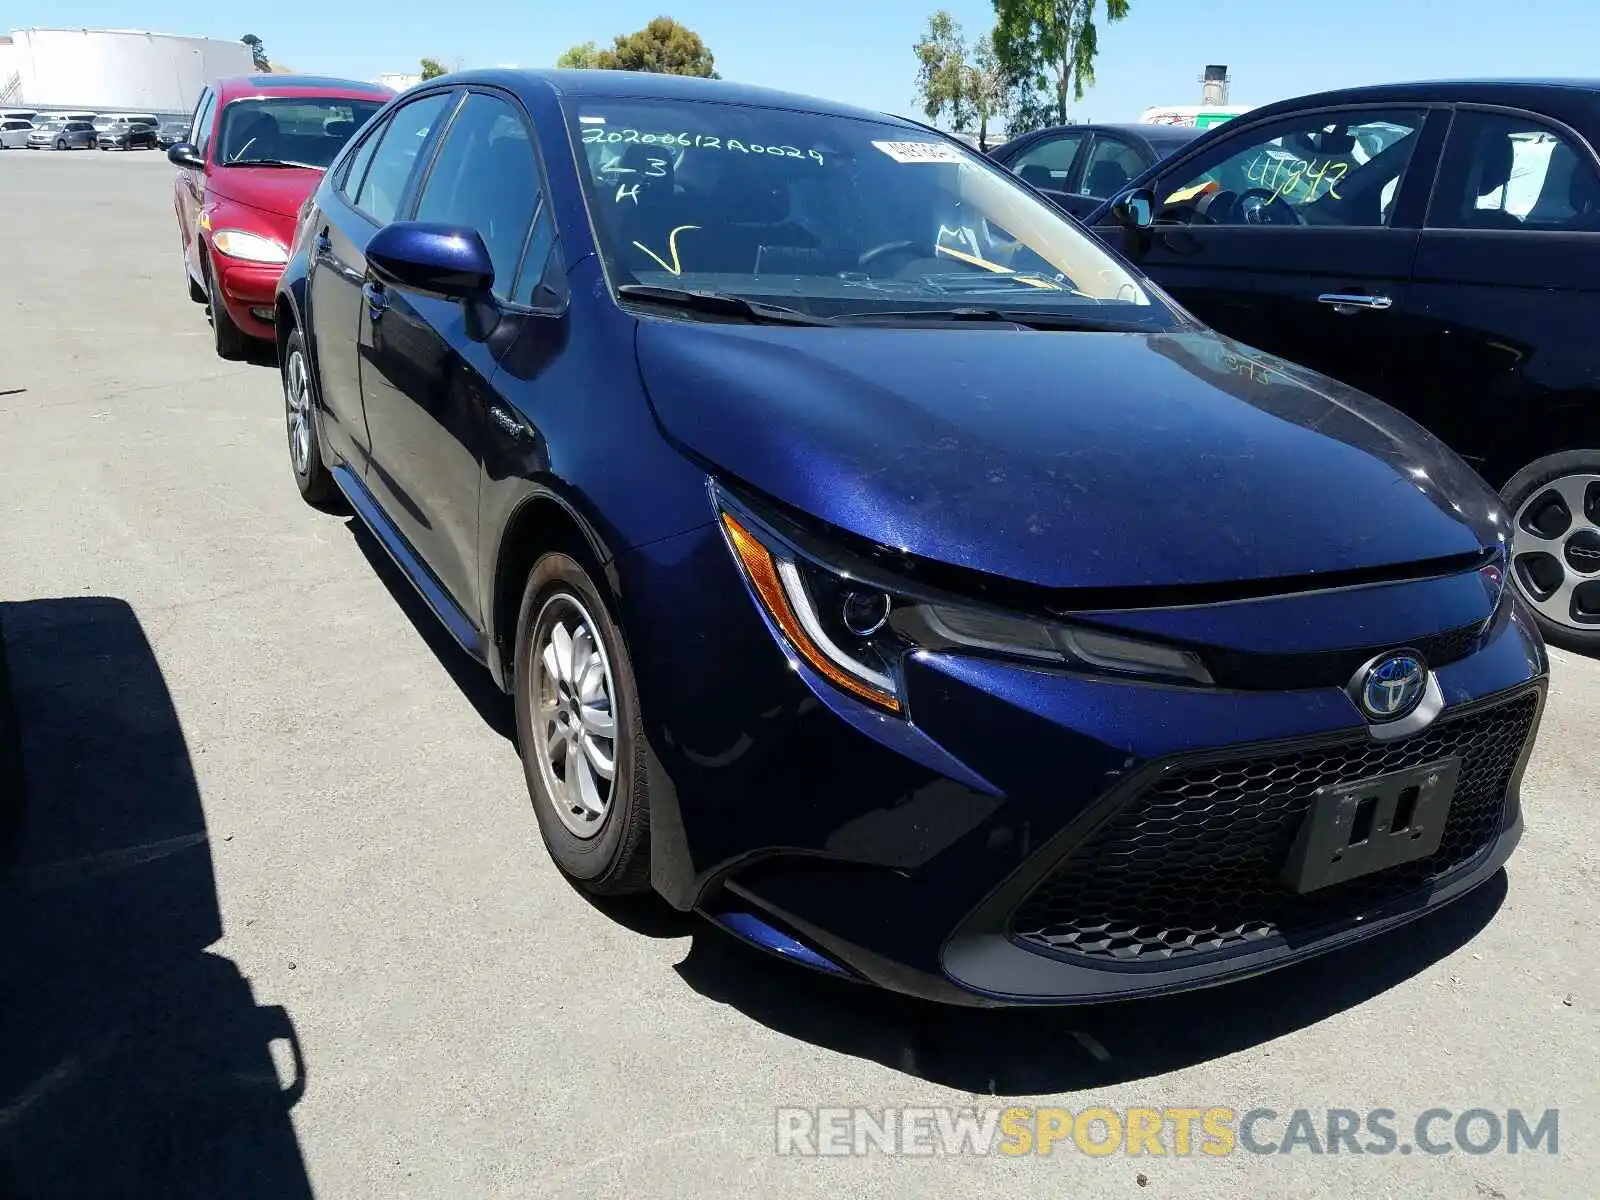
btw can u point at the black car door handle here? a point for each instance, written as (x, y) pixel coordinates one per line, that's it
(377, 299)
(1352, 302)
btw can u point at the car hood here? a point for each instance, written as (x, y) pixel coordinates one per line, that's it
(279, 190)
(1065, 459)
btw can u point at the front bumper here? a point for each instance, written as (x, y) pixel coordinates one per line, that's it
(912, 853)
(247, 287)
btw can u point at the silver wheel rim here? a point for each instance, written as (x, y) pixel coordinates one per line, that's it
(297, 402)
(574, 722)
(1580, 540)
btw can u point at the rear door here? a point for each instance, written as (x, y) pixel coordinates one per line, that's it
(427, 361)
(373, 183)
(1506, 294)
(1297, 235)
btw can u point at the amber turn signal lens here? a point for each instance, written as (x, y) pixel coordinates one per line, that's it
(763, 573)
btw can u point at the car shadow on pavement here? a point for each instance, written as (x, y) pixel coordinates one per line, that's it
(132, 1061)
(1038, 1051)
(469, 675)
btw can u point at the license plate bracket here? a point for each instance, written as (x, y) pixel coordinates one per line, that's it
(1353, 829)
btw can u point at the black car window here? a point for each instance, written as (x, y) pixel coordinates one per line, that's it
(385, 181)
(485, 177)
(1048, 162)
(355, 169)
(1513, 172)
(1111, 164)
(1318, 168)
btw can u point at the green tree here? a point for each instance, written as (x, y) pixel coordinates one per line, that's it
(432, 68)
(987, 87)
(585, 57)
(258, 52)
(942, 71)
(1053, 43)
(662, 47)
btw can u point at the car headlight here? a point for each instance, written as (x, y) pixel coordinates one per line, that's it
(854, 632)
(251, 247)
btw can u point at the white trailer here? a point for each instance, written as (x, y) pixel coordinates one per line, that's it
(116, 69)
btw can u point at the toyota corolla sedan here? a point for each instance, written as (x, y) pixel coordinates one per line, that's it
(880, 566)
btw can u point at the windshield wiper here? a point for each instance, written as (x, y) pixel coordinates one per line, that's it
(1028, 318)
(270, 162)
(720, 302)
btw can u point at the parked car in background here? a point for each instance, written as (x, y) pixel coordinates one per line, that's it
(257, 147)
(62, 135)
(1436, 245)
(128, 133)
(14, 133)
(881, 567)
(1080, 166)
(172, 131)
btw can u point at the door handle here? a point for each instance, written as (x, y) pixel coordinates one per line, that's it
(377, 299)
(324, 242)
(1352, 302)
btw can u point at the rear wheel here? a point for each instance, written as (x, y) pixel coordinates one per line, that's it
(579, 731)
(1555, 545)
(305, 440)
(231, 341)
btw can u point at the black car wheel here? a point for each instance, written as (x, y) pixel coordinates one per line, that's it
(1555, 545)
(231, 341)
(306, 459)
(579, 731)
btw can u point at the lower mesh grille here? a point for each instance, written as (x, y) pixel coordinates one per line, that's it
(1191, 865)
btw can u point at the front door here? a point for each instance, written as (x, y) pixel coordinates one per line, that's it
(1297, 235)
(426, 361)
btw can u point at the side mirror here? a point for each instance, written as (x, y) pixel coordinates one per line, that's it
(185, 154)
(443, 260)
(1134, 209)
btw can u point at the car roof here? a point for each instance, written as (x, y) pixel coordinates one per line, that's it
(651, 86)
(239, 87)
(1437, 91)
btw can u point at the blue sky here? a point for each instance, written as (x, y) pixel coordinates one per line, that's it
(859, 51)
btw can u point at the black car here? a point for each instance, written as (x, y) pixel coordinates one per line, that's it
(1079, 166)
(172, 132)
(129, 133)
(1436, 245)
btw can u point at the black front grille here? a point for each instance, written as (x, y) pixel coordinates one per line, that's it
(1191, 864)
(1245, 669)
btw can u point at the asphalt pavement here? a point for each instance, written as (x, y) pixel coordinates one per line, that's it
(280, 921)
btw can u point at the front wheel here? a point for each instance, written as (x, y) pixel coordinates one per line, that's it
(1555, 545)
(61, 143)
(231, 342)
(579, 731)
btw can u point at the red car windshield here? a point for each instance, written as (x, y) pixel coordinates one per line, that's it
(289, 131)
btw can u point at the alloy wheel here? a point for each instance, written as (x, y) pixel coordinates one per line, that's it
(1555, 551)
(297, 404)
(574, 722)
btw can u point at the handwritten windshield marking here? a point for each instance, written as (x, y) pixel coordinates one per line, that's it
(675, 268)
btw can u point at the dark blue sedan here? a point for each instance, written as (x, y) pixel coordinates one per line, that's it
(883, 568)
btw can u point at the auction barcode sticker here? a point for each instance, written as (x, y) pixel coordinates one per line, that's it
(920, 152)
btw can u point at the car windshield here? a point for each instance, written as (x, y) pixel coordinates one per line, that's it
(304, 131)
(833, 216)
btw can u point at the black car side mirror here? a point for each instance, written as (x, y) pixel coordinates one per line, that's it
(443, 260)
(185, 154)
(1134, 209)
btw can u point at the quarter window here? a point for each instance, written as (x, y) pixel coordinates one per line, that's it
(485, 178)
(1048, 162)
(1318, 169)
(1512, 172)
(385, 181)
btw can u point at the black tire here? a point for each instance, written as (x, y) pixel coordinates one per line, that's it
(615, 859)
(231, 342)
(1527, 484)
(61, 143)
(316, 484)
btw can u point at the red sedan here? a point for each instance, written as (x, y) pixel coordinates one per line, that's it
(257, 148)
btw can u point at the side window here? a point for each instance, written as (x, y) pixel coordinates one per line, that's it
(1111, 164)
(385, 181)
(1514, 172)
(356, 169)
(1341, 169)
(485, 177)
(1048, 162)
(200, 135)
